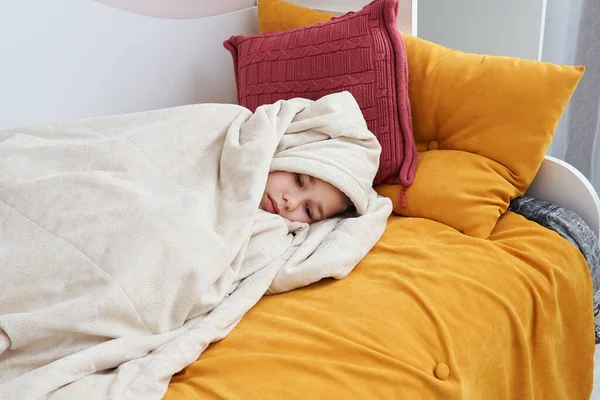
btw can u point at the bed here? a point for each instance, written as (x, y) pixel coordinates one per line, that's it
(435, 310)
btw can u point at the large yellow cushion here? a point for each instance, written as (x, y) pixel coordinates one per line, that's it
(506, 318)
(497, 116)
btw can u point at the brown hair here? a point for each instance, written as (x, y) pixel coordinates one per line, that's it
(350, 208)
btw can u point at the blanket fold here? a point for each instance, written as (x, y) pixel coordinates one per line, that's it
(129, 243)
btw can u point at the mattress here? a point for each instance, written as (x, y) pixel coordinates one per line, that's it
(429, 313)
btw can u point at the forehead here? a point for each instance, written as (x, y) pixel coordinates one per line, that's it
(323, 185)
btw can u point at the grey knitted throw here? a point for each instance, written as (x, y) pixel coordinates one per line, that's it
(571, 227)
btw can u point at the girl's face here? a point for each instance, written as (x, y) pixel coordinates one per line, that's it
(302, 198)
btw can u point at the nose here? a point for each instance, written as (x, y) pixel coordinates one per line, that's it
(291, 201)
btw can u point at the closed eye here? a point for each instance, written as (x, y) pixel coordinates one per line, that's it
(299, 180)
(308, 212)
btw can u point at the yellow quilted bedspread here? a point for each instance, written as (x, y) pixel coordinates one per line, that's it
(429, 313)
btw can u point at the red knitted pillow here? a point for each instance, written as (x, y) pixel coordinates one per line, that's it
(361, 52)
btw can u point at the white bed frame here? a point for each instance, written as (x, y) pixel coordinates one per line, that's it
(69, 59)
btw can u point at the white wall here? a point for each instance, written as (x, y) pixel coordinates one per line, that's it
(67, 59)
(497, 27)
(560, 44)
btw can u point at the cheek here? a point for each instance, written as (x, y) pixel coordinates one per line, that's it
(278, 182)
(271, 182)
(296, 215)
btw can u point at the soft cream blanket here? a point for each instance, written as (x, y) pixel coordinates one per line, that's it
(129, 243)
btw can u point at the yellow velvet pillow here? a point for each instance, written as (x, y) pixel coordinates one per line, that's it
(279, 15)
(489, 120)
(482, 125)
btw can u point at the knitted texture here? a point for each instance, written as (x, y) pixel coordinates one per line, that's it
(360, 52)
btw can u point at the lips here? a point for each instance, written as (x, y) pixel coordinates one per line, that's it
(272, 206)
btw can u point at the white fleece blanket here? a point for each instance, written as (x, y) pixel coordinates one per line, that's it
(129, 243)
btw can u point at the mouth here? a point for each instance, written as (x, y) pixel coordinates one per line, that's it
(272, 206)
